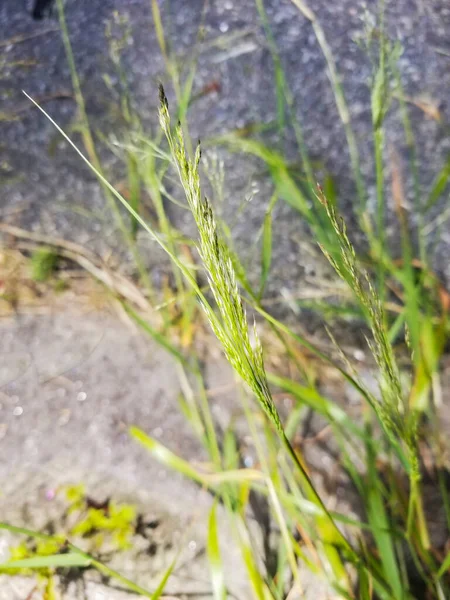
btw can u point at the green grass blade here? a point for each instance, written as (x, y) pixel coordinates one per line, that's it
(172, 461)
(28, 532)
(164, 455)
(248, 555)
(312, 398)
(214, 558)
(379, 521)
(175, 259)
(72, 559)
(439, 185)
(164, 579)
(339, 96)
(444, 567)
(159, 29)
(160, 338)
(134, 188)
(90, 148)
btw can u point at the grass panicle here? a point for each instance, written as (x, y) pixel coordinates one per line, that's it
(393, 411)
(232, 330)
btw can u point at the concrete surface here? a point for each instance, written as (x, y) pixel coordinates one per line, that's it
(70, 384)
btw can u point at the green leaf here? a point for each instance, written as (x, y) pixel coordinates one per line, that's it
(311, 397)
(159, 28)
(439, 185)
(159, 338)
(214, 558)
(378, 98)
(54, 560)
(162, 584)
(164, 455)
(444, 567)
(379, 521)
(329, 189)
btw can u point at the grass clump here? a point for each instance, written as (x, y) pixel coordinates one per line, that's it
(386, 552)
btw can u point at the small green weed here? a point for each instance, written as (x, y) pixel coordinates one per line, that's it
(100, 527)
(44, 262)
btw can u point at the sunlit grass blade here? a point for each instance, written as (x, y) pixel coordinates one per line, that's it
(71, 559)
(135, 190)
(165, 456)
(259, 586)
(444, 567)
(379, 521)
(214, 558)
(312, 398)
(176, 463)
(164, 579)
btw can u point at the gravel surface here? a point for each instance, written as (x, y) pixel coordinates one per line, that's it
(43, 175)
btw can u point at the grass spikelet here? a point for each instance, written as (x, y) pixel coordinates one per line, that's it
(232, 327)
(393, 412)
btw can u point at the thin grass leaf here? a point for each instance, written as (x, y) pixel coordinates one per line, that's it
(157, 21)
(379, 521)
(339, 96)
(90, 148)
(285, 186)
(444, 567)
(174, 258)
(29, 532)
(159, 338)
(438, 187)
(312, 398)
(165, 456)
(135, 190)
(214, 558)
(102, 568)
(164, 579)
(174, 462)
(248, 555)
(70, 559)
